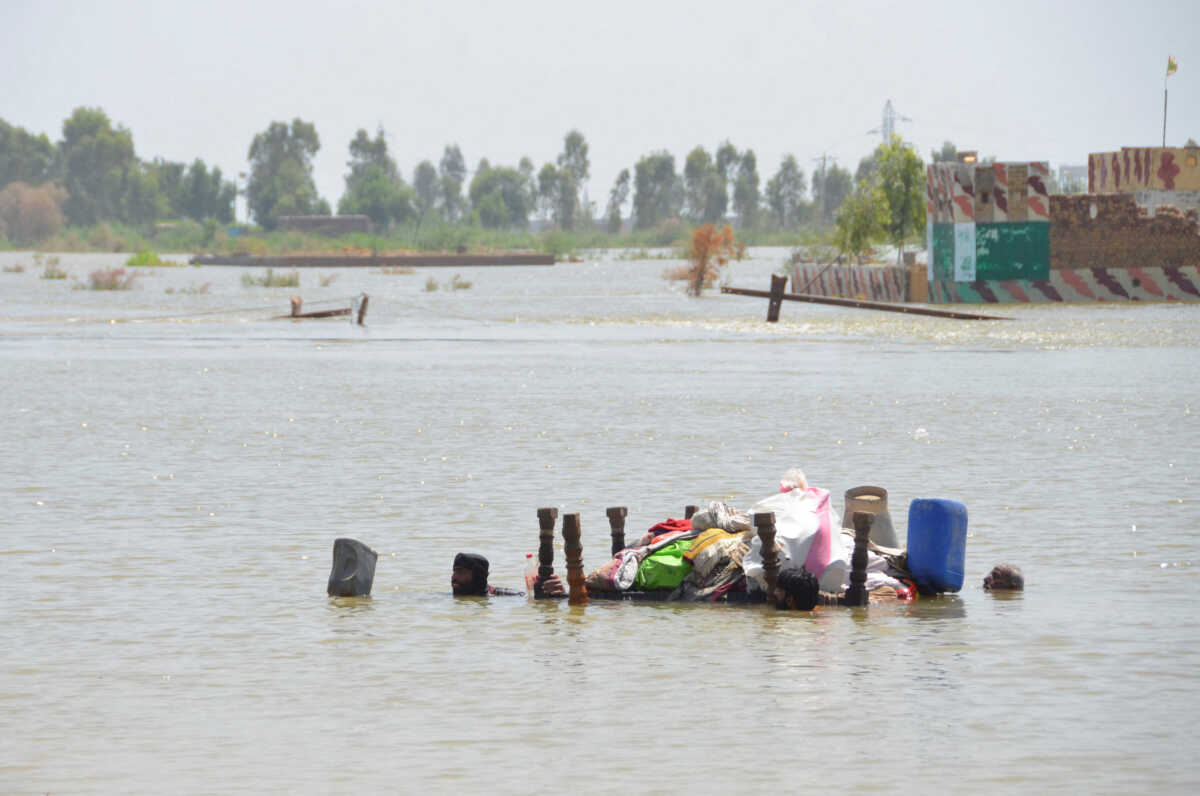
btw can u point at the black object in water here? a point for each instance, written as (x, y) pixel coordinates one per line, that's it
(353, 569)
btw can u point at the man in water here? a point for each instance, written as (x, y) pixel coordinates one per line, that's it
(1004, 577)
(469, 577)
(795, 589)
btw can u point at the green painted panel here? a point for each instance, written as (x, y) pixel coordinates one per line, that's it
(1012, 250)
(943, 251)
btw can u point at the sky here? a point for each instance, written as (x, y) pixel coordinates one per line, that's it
(1016, 80)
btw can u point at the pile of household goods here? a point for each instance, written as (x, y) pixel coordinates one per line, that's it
(716, 555)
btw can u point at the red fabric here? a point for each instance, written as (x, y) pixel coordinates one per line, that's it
(669, 526)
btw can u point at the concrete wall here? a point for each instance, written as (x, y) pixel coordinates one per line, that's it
(1113, 231)
(1141, 168)
(988, 221)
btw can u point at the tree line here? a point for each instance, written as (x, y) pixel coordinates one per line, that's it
(93, 174)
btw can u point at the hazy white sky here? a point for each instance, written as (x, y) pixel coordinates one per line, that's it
(1018, 80)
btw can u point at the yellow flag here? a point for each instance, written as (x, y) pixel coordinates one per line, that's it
(1172, 67)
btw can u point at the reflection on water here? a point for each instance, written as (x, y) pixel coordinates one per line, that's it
(173, 482)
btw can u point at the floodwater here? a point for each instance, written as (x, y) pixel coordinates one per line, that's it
(176, 466)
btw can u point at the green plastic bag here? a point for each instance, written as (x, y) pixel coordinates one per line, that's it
(665, 568)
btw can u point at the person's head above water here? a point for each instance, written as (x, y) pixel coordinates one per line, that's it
(1004, 577)
(470, 574)
(796, 589)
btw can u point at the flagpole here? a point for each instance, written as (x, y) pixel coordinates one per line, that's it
(1165, 110)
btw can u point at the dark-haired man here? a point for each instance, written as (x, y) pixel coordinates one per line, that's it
(469, 578)
(1004, 577)
(795, 589)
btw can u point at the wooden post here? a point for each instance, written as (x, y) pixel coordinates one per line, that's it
(778, 283)
(362, 309)
(857, 593)
(296, 303)
(546, 519)
(689, 512)
(577, 594)
(616, 522)
(764, 521)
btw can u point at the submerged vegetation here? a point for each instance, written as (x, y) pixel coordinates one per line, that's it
(272, 279)
(110, 279)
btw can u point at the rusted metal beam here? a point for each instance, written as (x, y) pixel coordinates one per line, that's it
(865, 305)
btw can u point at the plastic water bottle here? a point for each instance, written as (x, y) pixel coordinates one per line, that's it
(531, 570)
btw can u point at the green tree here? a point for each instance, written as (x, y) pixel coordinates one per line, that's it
(573, 160)
(861, 220)
(425, 188)
(830, 189)
(727, 161)
(280, 181)
(704, 188)
(25, 157)
(868, 166)
(206, 194)
(453, 172)
(657, 190)
(500, 196)
(902, 177)
(947, 154)
(99, 165)
(374, 187)
(746, 199)
(785, 195)
(616, 200)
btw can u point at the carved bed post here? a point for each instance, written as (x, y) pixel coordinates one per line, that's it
(764, 521)
(574, 551)
(616, 522)
(546, 518)
(857, 593)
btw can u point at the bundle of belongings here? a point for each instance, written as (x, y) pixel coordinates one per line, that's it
(717, 554)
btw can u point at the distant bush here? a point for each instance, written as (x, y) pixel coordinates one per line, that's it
(272, 279)
(14, 269)
(147, 258)
(327, 280)
(431, 284)
(50, 269)
(110, 279)
(458, 283)
(29, 214)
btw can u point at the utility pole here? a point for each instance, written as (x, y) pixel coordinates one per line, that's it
(888, 125)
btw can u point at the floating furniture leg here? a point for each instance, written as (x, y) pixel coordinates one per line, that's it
(574, 550)
(546, 519)
(353, 569)
(616, 522)
(778, 284)
(764, 521)
(362, 309)
(689, 512)
(857, 593)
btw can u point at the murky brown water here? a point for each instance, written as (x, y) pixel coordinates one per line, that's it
(175, 469)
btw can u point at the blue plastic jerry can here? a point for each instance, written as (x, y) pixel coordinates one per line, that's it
(937, 543)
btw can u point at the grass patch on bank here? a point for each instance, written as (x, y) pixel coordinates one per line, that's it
(430, 236)
(148, 258)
